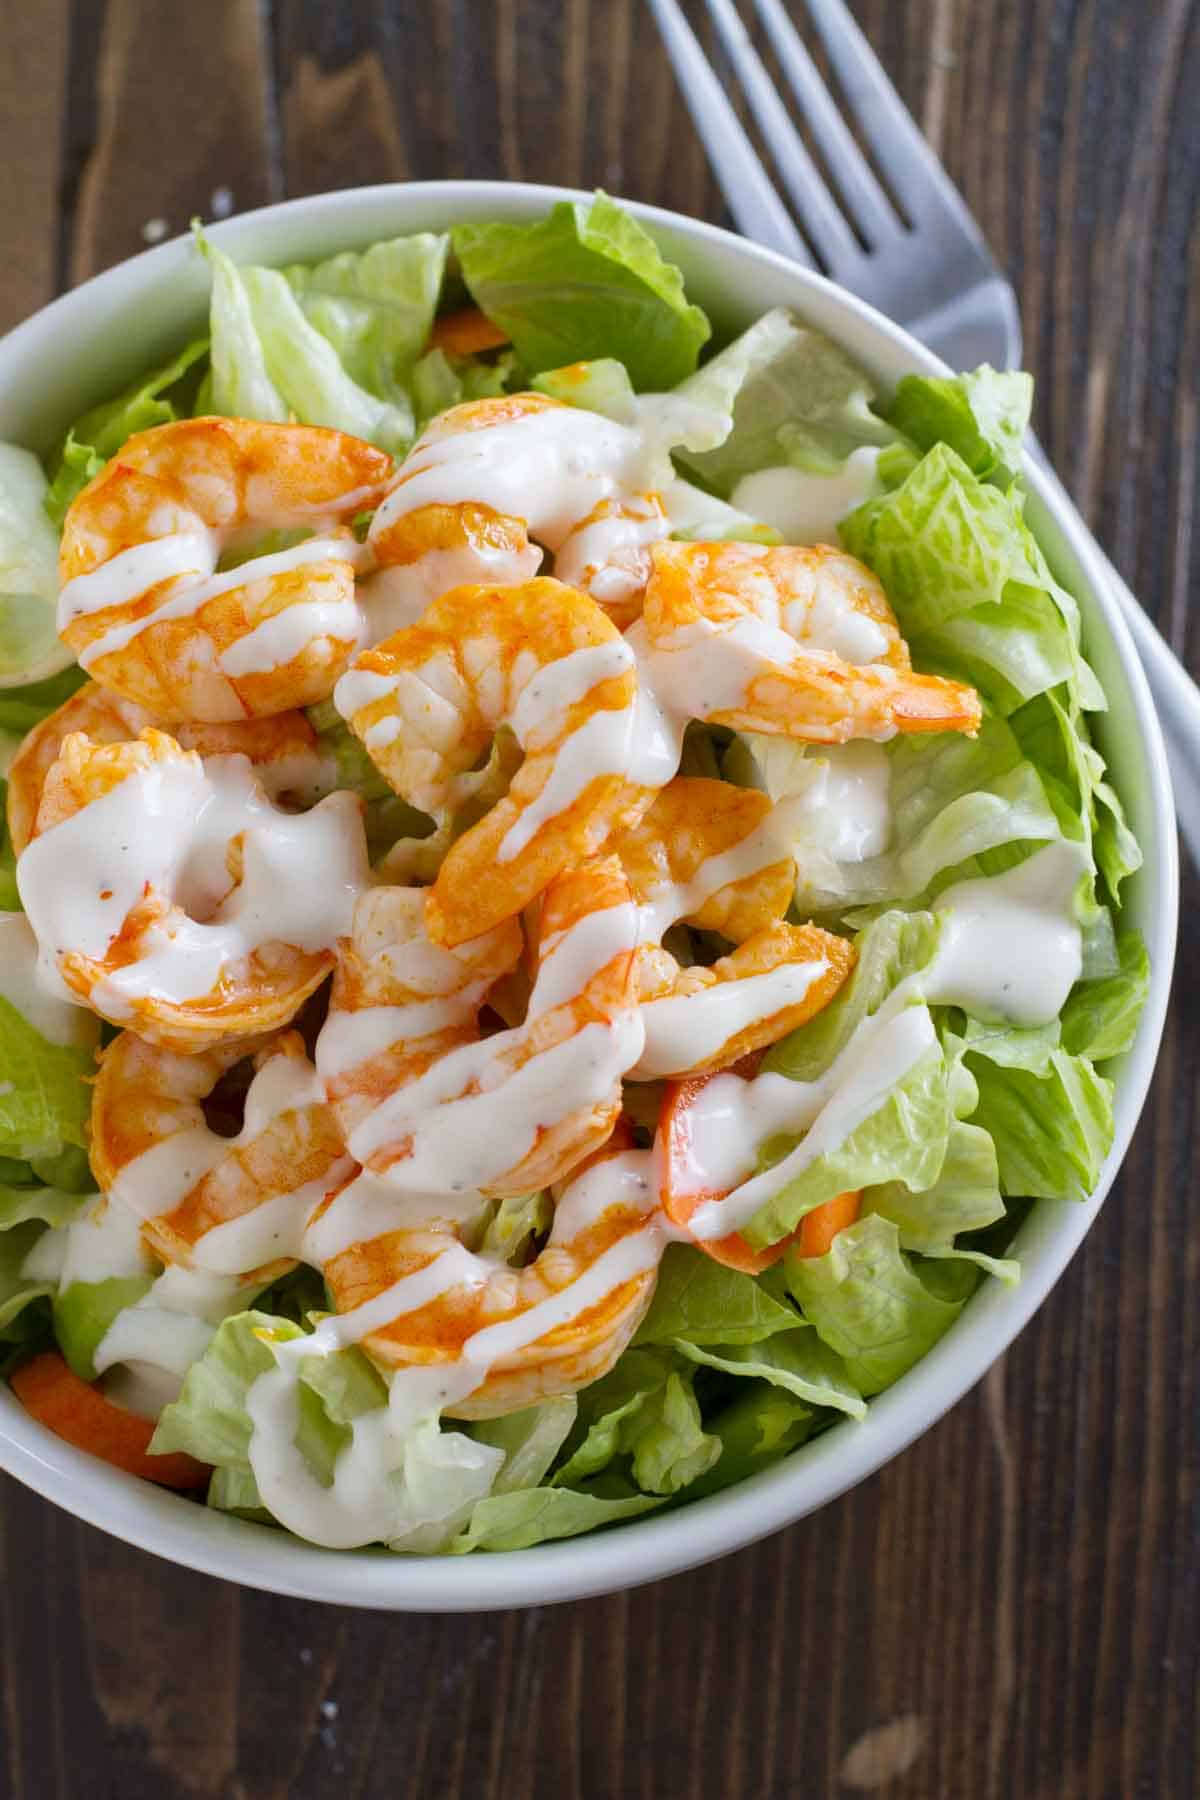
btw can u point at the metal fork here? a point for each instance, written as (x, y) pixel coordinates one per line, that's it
(919, 257)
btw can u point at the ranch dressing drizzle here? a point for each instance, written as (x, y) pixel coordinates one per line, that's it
(683, 1030)
(130, 573)
(167, 828)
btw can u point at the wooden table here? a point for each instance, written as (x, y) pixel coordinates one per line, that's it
(1009, 1609)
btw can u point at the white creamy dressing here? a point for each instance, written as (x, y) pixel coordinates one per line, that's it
(40, 1003)
(804, 507)
(168, 828)
(1011, 948)
(188, 560)
(103, 1243)
(683, 1030)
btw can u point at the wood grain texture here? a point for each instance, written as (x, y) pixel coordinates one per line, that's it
(1011, 1607)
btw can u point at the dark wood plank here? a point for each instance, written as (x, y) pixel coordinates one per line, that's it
(178, 114)
(32, 76)
(1009, 1608)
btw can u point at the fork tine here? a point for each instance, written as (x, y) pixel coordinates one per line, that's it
(883, 118)
(852, 173)
(823, 223)
(753, 200)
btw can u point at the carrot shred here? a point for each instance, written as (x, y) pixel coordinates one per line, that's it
(79, 1413)
(465, 332)
(819, 1227)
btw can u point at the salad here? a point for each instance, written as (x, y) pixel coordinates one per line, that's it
(560, 904)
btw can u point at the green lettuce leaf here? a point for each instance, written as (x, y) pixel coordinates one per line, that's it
(761, 1424)
(376, 308)
(643, 1413)
(965, 1197)
(24, 1300)
(439, 380)
(209, 1420)
(84, 1311)
(970, 585)
(517, 1521)
(798, 1360)
(1100, 1018)
(795, 398)
(892, 947)
(269, 361)
(983, 415)
(44, 1099)
(1051, 1130)
(586, 281)
(703, 1302)
(530, 1440)
(166, 394)
(29, 644)
(876, 1307)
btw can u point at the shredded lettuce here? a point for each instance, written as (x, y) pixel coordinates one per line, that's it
(586, 281)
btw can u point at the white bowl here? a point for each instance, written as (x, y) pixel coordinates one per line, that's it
(81, 350)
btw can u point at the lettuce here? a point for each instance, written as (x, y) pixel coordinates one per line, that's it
(44, 1096)
(970, 585)
(24, 1299)
(796, 400)
(586, 281)
(530, 1440)
(1051, 1128)
(289, 344)
(903, 1138)
(84, 1311)
(982, 415)
(703, 1302)
(517, 1521)
(1100, 1017)
(877, 1308)
(164, 395)
(376, 308)
(29, 642)
(761, 1424)
(644, 1416)
(797, 1360)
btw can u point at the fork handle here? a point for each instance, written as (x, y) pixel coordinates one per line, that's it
(1176, 696)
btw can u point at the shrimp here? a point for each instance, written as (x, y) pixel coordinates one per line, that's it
(706, 1018)
(146, 612)
(798, 641)
(429, 1104)
(543, 660)
(707, 852)
(488, 476)
(284, 750)
(608, 554)
(232, 1206)
(171, 895)
(515, 1336)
